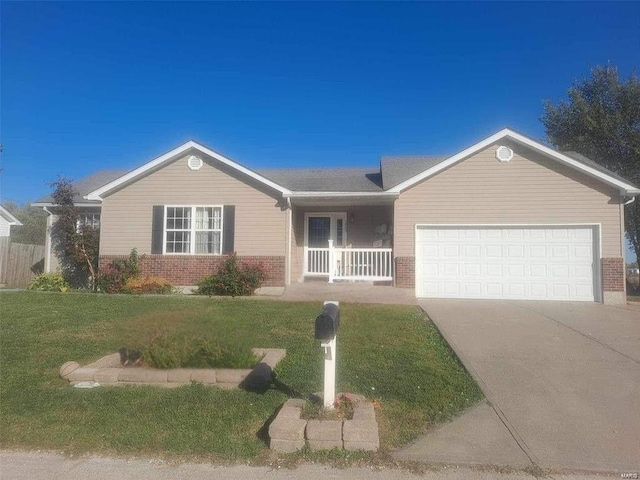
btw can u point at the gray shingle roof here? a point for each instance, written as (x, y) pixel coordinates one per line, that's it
(397, 169)
(89, 184)
(597, 166)
(361, 179)
(393, 171)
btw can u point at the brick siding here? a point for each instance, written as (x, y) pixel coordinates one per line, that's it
(190, 269)
(405, 272)
(613, 274)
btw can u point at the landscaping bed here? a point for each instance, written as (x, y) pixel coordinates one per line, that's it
(392, 355)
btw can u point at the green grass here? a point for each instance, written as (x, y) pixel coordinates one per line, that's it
(391, 354)
(633, 298)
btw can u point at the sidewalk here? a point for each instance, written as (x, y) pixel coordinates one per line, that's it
(48, 466)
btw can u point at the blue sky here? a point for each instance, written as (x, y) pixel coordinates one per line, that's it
(88, 86)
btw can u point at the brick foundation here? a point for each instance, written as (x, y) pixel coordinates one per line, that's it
(186, 270)
(405, 272)
(613, 274)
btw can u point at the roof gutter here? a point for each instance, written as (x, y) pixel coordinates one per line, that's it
(339, 194)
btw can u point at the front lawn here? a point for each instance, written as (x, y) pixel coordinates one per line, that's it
(392, 354)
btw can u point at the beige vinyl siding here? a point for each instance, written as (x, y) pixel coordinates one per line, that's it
(530, 189)
(260, 223)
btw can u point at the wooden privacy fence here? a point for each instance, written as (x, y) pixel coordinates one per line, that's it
(19, 263)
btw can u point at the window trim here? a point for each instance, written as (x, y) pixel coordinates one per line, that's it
(192, 230)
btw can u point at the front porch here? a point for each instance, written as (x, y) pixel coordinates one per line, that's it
(343, 243)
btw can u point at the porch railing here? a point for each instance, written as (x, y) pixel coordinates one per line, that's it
(350, 263)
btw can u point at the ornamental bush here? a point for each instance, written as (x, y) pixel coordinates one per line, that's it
(233, 279)
(115, 276)
(49, 282)
(153, 285)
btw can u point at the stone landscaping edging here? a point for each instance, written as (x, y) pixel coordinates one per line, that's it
(288, 432)
(108, 371)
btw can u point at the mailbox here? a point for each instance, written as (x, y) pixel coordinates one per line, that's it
(327, 322)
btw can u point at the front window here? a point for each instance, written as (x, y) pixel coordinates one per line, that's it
(196, 230)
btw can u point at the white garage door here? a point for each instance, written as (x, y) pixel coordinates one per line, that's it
(537, 263)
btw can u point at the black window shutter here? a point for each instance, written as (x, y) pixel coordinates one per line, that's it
(228, 228)
(157, 228)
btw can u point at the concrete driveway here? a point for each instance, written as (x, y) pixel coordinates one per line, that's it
(562, 381)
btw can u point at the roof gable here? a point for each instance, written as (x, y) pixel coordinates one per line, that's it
(586, 167)
(168, 157)
(8, 216)
(84, 186)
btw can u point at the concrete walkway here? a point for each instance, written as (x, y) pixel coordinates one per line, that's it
(563, 380)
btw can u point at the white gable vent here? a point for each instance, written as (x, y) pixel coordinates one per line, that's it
(195, 163)
(504, 154)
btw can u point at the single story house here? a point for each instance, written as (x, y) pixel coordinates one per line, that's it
(6, 221)
(506, 218)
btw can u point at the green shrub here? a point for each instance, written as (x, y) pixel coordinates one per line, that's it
(49, 282)
(193, 352)
(233, 278)
(114, 277)
(153, 285)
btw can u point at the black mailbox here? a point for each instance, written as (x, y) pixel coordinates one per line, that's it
(328, 322)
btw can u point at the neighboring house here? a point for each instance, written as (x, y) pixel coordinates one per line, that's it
(506, 218)
(6, 221)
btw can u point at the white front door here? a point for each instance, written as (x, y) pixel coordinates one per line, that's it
(319, 228)
(535, 263)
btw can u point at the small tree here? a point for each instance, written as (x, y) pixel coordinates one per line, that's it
(34, 224)
(601, 120)
(75, 244)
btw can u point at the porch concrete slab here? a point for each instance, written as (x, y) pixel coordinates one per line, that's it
(315, 291)
(563, 377)
(477, 437)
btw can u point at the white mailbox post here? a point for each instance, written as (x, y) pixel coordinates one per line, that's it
(326, 327)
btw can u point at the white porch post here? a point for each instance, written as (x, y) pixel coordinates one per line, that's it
(332, 261)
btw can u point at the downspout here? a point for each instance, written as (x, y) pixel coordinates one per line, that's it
(47, 242)
(624, 247)
(290, 231)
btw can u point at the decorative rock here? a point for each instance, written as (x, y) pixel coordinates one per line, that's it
(285, 446)
(324, 434)
(109, 371)
(364, 411)
(273, 355)
(68, 368)
(360, 435)
(287, 425)
(228, 375)
(82, 374)
(108, 361)
(107, 375)
(142, 375)
(179, 375)
(206, 376)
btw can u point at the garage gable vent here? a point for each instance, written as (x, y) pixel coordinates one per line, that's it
(504, 154)
(195, 163)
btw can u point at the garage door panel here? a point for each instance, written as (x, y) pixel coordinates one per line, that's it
(554, 263)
